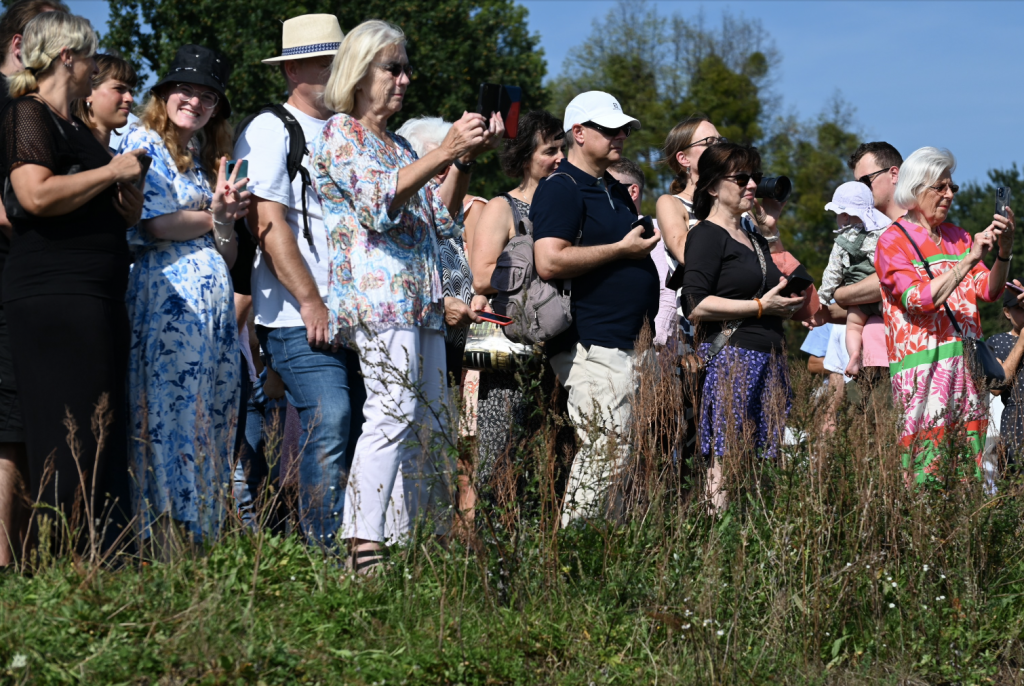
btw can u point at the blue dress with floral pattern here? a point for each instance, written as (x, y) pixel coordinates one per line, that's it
(183, 369)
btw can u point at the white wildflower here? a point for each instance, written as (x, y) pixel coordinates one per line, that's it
(892, 605)
(894, 584)
(19, 661)
(720, 632)
(926, 568)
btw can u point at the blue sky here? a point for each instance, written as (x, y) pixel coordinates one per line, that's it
(937, 73)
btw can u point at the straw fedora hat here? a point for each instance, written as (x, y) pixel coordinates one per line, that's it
(310, 35)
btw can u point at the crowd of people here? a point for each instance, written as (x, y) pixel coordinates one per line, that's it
(165, 312)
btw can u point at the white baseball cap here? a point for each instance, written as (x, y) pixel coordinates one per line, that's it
(598, 107)
(854, 198)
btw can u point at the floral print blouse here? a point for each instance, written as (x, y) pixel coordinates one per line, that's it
(383, 272)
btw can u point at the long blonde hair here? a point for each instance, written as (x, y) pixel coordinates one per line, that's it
(353, 60)
(44, 38)
(215, 138)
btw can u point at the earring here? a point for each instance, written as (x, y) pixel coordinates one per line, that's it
(88, 104)
(68, 65)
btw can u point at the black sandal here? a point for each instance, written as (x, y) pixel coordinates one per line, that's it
(366, 562)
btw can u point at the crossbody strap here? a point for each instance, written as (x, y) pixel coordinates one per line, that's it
(723, 336)
(949, 312)
(517, 217)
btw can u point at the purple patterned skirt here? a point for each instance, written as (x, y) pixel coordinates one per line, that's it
(744, 402)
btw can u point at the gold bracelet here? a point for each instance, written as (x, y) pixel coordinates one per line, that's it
(760, 309)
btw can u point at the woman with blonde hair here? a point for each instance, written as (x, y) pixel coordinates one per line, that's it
(108, 106)
(385, 298)
(69, 204)
(184, 366)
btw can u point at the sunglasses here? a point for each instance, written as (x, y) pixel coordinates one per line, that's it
(605, 131)
(395, 68)
(941, 190)
(743, 178)
(710, 140)
(868, 179)
(207, 99)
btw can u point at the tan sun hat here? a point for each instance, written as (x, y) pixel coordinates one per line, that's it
(310, 35)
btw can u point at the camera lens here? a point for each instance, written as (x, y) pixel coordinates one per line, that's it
(774, 187)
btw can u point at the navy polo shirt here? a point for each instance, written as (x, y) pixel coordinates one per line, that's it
(610, 303)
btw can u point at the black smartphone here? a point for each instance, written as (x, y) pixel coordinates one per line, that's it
(648, 225)
(798, 282)
(1002, 200)
(243, 169)
(504, 100)
(144, 162)
(494, 318)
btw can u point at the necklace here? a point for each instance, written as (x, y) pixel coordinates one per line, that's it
(55, 111)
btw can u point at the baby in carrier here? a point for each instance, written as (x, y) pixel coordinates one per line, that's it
(853, 259)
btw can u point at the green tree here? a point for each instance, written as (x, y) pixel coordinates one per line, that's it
(455, 45)
(664, 70)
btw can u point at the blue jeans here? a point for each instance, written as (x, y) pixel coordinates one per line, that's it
(253, 467)
(327, 390)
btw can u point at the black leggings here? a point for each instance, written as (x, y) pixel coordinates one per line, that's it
(68, 351)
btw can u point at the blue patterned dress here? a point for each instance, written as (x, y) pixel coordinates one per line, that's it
(183, 369)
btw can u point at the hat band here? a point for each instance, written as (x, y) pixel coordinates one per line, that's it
(306, 49)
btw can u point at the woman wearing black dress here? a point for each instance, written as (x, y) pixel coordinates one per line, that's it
(69, 204)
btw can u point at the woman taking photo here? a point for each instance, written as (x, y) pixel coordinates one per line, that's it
(530, 157)
(731, 293)
(108, 106)
(384, 218)
(64, 284)
(184, 367)
(930, 382)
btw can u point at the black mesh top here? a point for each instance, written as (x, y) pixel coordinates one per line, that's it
(84, 252)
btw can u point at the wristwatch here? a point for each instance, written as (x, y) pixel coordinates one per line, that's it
(464, 167)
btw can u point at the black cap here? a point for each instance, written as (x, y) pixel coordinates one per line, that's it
(201, 66)
(1010, 298)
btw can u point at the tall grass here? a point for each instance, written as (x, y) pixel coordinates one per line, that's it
(823, 568)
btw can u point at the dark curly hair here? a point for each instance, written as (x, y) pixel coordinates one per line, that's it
(718, 161)
(515, 158)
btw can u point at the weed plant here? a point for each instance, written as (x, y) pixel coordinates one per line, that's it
(825, 567)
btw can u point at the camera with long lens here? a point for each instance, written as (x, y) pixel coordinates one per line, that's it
(774, 187)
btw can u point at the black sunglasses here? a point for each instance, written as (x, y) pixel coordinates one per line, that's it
(710, 140)
(868, 179)
(605, 131)
(395, 68)
(743, 178)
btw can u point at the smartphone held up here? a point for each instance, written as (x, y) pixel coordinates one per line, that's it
(505, 101)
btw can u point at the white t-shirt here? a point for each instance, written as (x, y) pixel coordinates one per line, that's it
(265, 144)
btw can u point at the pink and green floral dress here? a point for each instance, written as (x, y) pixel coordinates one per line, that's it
(384, 272)
(929, 380)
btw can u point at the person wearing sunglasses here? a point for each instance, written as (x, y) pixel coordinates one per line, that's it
(184, 368)
(931, 385)
(731, 292)
(582, 218)
(385, 218)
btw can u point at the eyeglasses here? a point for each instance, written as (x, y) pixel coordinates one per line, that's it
(207, 99)
(395, 68)
(605, 131)
(941, 190)
(743, 178)
(710, 140)
(868, 179)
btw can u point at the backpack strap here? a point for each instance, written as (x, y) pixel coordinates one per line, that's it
(583, 216)
(296, 152)
(517, 216)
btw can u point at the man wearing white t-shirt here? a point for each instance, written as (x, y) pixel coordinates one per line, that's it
(289, 278)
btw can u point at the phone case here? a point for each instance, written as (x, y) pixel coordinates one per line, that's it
(1003, 195)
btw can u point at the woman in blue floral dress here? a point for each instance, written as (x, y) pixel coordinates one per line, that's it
(183, 370)
(385, 298)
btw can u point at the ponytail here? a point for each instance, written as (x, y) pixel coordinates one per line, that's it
(44, 38)
(679, 182)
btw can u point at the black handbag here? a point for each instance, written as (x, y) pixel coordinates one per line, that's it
(985, 370)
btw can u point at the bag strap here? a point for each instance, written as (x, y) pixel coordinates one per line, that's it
(517, 217)
(949, 312)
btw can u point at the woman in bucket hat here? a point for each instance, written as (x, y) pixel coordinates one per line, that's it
(184, 369)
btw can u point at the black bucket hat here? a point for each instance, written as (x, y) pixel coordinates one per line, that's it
(1010, 298)
(201, 66)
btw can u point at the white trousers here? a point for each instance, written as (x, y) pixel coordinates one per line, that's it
(601, 383)
(401, 469)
